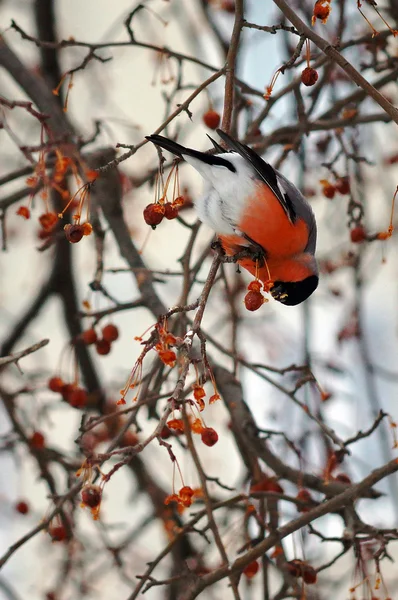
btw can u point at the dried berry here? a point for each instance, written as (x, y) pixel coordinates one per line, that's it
(55, 384)
(87, 228)
(110, 333)
(102, 347)
(343, 478)
(253, 300)
(251, 569)
(37, 440)
(23, 211)
(170, 211)
(305, 496)
(91, 495)
(209, 436)
(153, 214)
(48, 220)
(89, 336)
(358, 234)
(168, 357)
(22, 507)
(309, 76)
(211, 119)
(74, 233)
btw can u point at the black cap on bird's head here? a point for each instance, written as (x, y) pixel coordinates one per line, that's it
(291, 293)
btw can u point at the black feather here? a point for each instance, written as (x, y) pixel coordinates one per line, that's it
(216, 145)
(180, 151)
(263, 169)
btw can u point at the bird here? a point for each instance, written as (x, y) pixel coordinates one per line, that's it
(259, 216)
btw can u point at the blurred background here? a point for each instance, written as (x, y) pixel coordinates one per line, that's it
(346, 333)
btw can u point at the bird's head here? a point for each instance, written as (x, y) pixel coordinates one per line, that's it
(291, 293)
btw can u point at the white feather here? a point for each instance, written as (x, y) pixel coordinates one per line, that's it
(225, 193)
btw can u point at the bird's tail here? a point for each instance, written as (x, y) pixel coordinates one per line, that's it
(181, 151)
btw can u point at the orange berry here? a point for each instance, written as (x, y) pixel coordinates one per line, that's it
(110, 333)
(102, 347)
(309, 76)
(89, 336)
(74, 233)
(211, 119)
(251, 569)
(168, 357)
(198, 392)
(253, 300)
(153, 214)
(37, 440)
(254, 286)
(22, 507)
(358, 234)
(55, 384)
(91, 495)
(209, 436)
(23, 211)
(87, 228)
(321, 11)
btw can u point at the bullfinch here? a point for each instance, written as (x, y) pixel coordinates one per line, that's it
(259, 216)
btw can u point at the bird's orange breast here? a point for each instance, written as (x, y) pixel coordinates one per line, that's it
(265, 222)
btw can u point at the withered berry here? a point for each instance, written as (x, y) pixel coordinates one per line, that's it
(23, 211)
(212, 119)
(74, 233)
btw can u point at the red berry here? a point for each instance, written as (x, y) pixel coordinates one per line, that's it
(89, 337)
(212, 119)
(22, 507)
(253, 300)
(58, 533)
(170, 211)
(110, 333)
(358, 234)
(37, 440)
(251, 569)
(102, 347)
(209, 436)
(328, 190)
(228, 6)
(254, 286)
(343, 477)
(306, 497)
(51, 596)
(91, 495)
(309, 574)
(23, 211)
(342, 185)
(153, 214)
(309, 76)
(77, 398)
(67, 390)
(74, 233)
(55, 384)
